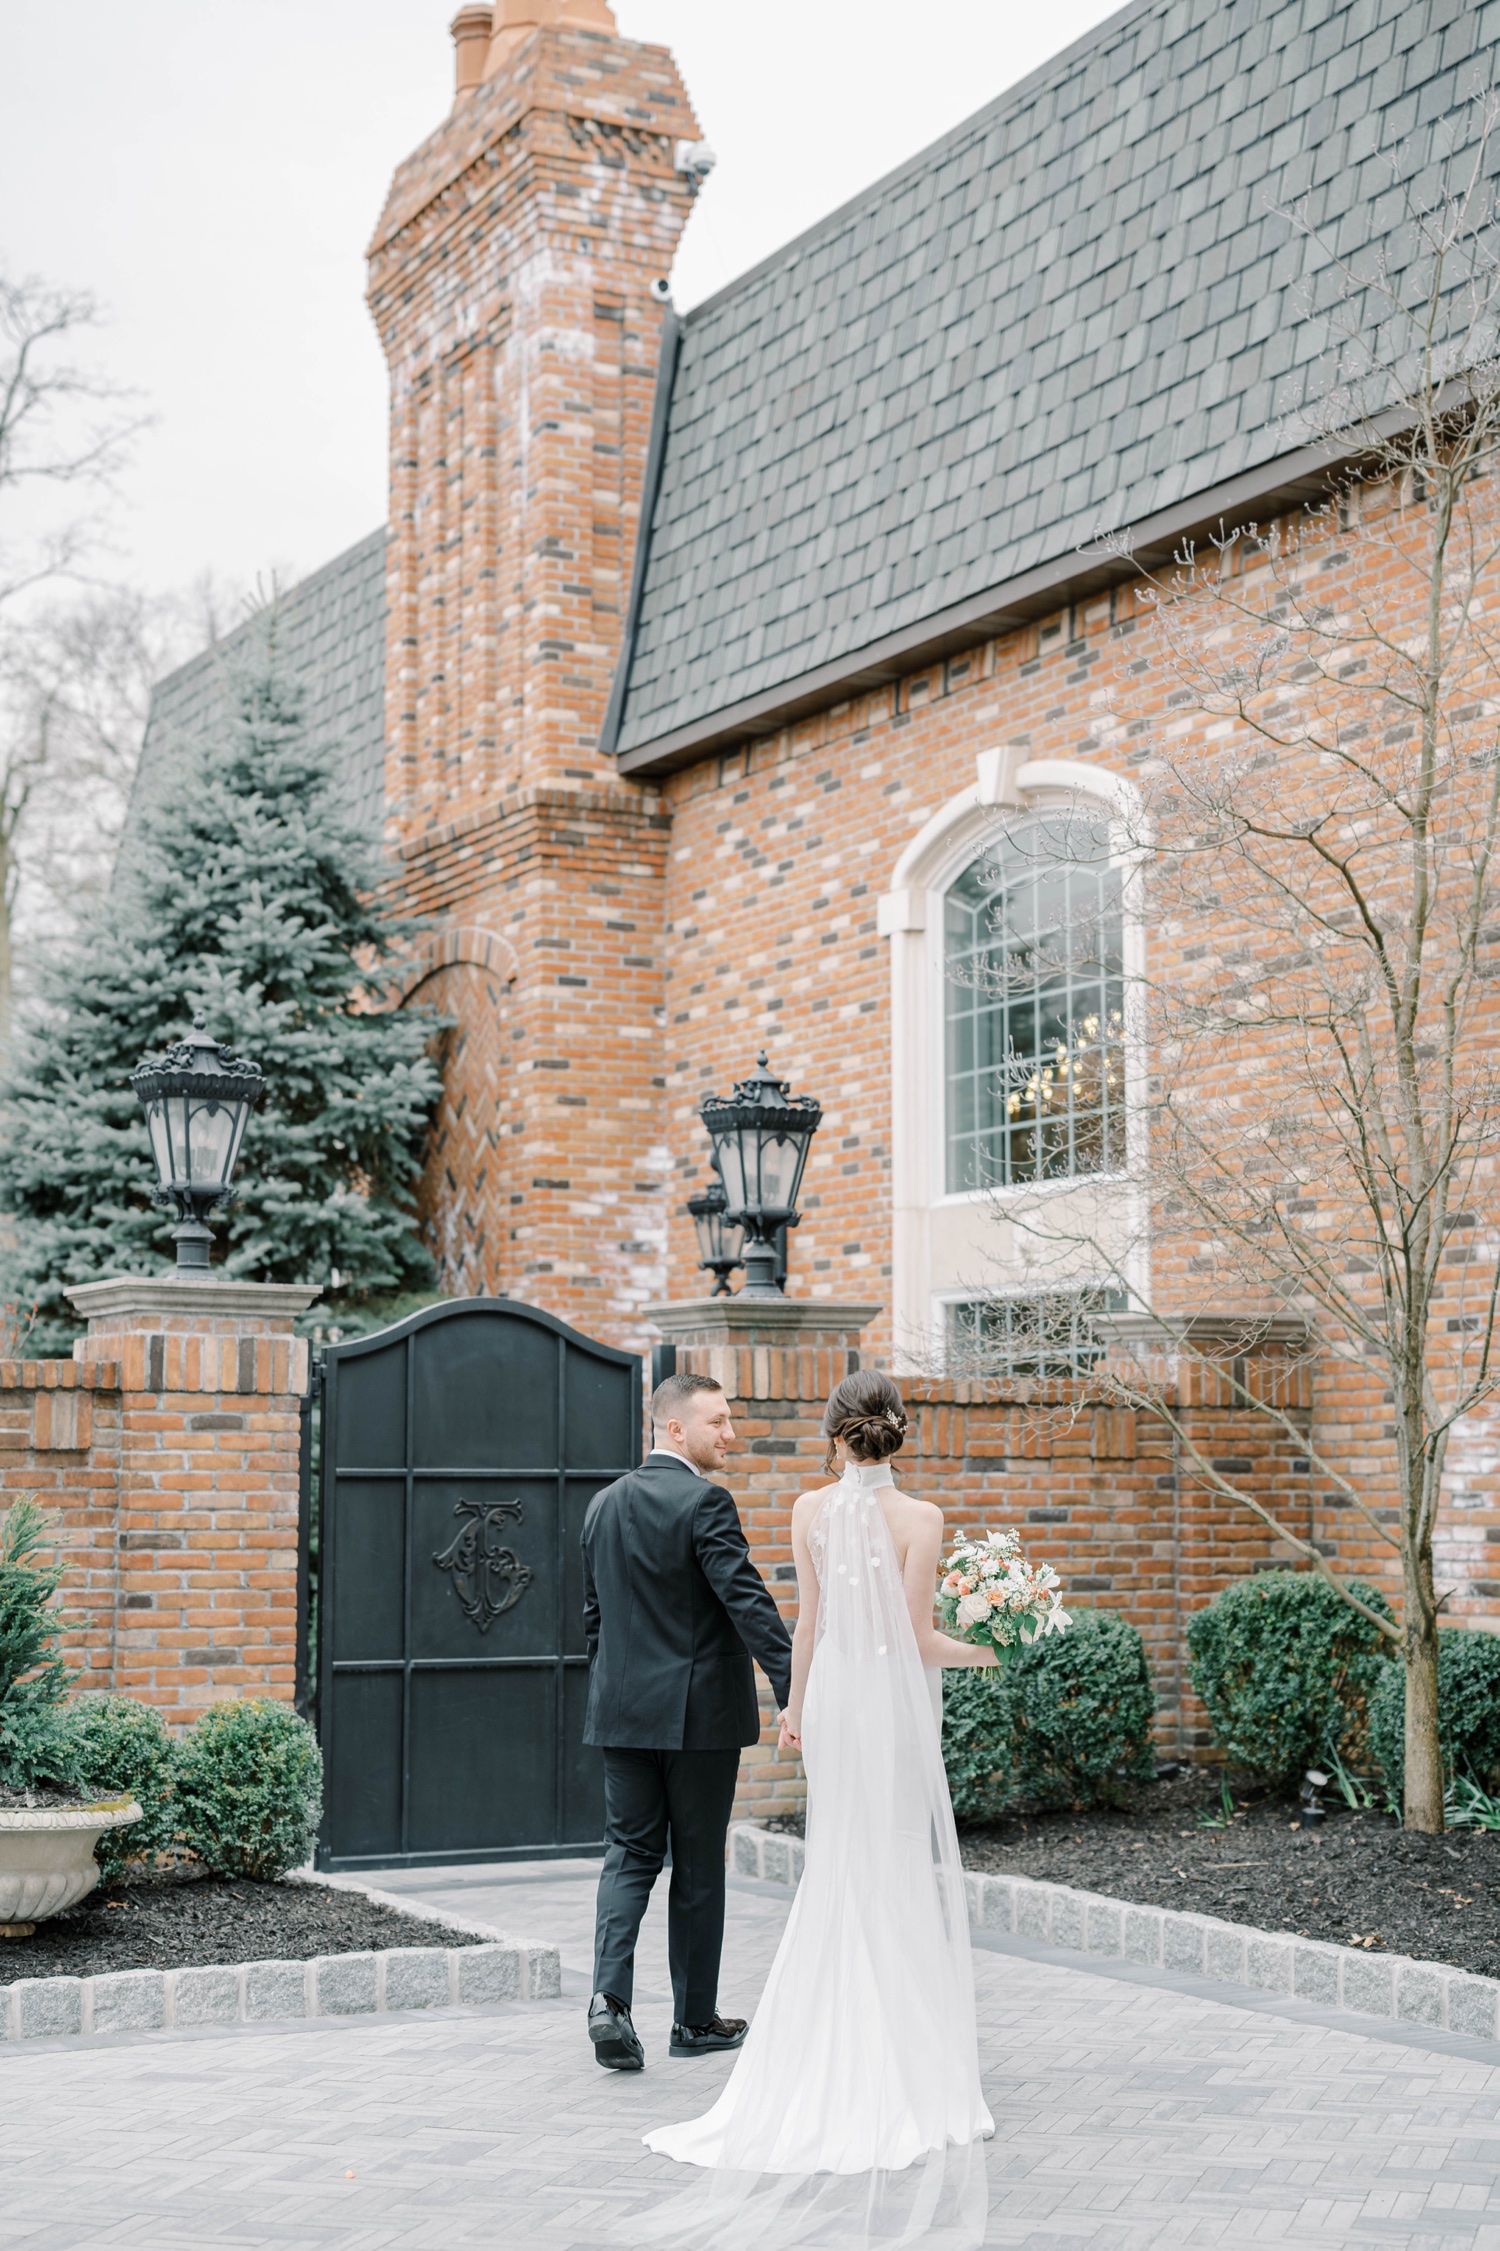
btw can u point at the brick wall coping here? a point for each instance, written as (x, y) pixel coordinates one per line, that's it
(331, 1985)
(213, 1297)
(1085, 1922)
(59, 1375)
(760, 1320)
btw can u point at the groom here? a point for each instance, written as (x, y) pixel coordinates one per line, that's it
(673, 1610)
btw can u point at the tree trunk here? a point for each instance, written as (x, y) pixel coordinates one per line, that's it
(1424, 1758)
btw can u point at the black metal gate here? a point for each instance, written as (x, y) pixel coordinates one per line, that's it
(459, 1451)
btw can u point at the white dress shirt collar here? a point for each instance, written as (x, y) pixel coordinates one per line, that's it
(673, 1455)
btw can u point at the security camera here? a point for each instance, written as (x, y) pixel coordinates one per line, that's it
(661, 289)
(695, 159)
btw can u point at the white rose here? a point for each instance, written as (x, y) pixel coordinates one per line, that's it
(972, 1608)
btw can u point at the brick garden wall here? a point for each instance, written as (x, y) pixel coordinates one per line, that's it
(170, 1461)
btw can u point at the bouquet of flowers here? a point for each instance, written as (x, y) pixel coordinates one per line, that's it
(990, 1593)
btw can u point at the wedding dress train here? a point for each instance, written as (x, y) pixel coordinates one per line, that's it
(853, 2116)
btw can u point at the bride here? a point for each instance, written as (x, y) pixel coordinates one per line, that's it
(854, 2116)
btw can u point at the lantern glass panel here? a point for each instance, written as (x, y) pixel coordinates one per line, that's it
(159, 1126)
(707, 1225)
(732, 1172)
(213, 1142)
(779, 1166)
(731, 1241)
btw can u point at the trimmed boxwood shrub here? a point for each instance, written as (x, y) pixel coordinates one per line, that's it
(250, 1789)
(121, 1747)
(1066, 1722)
(977, 1737)
(1083, 1704)
(1468, 1712)
(1285, 1670)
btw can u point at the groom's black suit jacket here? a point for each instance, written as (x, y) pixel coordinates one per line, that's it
(674, 1610)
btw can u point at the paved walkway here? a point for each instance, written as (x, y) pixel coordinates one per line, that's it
(1133, 2109)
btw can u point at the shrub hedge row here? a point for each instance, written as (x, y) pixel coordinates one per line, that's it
(243, 1789)
(1066, 1722)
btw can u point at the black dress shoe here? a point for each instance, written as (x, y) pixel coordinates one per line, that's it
(708, 2039)
(617, 2044)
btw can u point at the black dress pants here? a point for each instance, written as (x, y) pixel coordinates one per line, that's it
(653, 1799)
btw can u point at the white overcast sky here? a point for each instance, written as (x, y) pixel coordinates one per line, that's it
(212, 170)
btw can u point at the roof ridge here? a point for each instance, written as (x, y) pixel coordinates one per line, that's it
(923, 157)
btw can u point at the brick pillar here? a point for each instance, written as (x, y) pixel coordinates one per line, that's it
(777, 1359)
(209, 1377)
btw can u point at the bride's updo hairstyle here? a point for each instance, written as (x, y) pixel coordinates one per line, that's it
(864, 1410)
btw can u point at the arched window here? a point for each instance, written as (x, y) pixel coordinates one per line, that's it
(1034, 1054)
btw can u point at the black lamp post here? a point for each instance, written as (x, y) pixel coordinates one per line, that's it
(760, 1137)
(197, 1099)
(720, 1239)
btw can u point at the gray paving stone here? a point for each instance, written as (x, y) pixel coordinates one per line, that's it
(43, 2006)
(345, 1984)
(1144, 1937)
(129, 2001)
(1473, 2006)
(1182, 1939)
(206, 1996)
(1033, 1910)
(1105, 1927)
(1420, 1992)
(275, 1989)
(417, 1977)
(1367, 1984)
(1315, 1971)
(1268, 1963)
(488, 1974)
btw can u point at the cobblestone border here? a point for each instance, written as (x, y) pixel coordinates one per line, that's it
(330, 1985)
(1345, 1977)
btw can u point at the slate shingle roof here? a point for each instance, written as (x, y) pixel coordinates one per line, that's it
(1076, 310)
(331, 631)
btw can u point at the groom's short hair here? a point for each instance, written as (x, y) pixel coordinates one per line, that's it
(672, 1395)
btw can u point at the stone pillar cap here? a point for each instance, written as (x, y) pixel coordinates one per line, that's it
(766, 1320)
(215, 1297)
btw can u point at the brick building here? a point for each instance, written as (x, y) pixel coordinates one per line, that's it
(719, 648)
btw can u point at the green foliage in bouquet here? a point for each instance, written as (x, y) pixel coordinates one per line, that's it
(1286, 1670)
(1065, 1721)
(34, 1743)
(122, 1748)
(1468, 1712)
(250, 1789)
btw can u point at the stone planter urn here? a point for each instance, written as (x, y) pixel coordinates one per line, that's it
(47, 1855)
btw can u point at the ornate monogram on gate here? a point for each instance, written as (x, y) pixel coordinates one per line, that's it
(488, 1579)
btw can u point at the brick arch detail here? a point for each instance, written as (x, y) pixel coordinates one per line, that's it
(469, 944)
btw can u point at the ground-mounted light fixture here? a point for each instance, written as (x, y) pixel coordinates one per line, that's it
(721, 1240)
(761, 1134)
(197, 1099)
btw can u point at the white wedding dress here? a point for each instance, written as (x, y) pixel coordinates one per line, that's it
(854, 2116)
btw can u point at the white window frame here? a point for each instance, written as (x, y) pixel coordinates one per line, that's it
(911, 915)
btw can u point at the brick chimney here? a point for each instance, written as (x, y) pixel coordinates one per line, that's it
(511, 282)
(472, 29)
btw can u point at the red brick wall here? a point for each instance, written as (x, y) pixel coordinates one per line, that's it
(170, 1463)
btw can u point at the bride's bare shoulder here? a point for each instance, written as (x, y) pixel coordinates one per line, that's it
(915, 1511)
(807, 1504)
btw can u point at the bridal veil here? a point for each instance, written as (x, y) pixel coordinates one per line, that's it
(854, 2116)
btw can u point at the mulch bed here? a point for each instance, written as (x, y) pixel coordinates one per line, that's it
(1357, 1878)
(191, 1919)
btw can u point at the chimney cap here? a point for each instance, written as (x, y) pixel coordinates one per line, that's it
(471, 28)
(514, 18)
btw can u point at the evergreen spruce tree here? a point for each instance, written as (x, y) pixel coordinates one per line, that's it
(245, 890)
